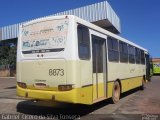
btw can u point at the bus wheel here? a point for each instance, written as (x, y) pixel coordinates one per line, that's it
(143, 82)
(116, 92)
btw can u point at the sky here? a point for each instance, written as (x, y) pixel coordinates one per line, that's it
(140, 19)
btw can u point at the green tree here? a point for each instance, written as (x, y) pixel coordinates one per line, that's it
(12, 56)
(8, 55)
(3, 55)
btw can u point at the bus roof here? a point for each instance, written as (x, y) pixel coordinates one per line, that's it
(97, 28)
(88, 24)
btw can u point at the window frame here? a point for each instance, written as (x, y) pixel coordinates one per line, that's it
(123, 52)
(112, 49)
(83, 43)
(131, 54)
(143, 62)
(138, 56)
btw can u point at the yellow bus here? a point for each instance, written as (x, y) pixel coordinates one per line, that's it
(67, 59)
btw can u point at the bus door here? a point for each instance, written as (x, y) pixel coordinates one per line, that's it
(99, 68)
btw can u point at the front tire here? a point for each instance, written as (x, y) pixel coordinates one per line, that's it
(116, 92)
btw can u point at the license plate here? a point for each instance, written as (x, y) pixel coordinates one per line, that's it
(40, 85)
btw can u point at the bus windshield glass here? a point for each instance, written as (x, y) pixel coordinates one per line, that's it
(45, 36)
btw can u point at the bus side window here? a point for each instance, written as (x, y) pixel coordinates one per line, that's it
(83, 42)
(142, 57)
(123, 48)
(131, 54)
(138, 56)
(113, 52)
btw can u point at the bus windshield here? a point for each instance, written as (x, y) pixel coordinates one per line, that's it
(45, 36)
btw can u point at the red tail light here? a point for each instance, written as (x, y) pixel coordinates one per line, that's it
(64, 87)
(22, 85)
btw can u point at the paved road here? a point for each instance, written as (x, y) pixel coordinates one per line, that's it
(135, 104)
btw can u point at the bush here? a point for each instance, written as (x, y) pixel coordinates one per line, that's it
(8, 56)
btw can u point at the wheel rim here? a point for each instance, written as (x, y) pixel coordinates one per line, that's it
(117, 92)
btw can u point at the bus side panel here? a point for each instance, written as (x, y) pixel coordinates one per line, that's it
(86, 82)
(130, 75)
(79, 73)
(109, 89)
(128, 84)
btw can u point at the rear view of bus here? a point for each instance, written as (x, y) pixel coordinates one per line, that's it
(43, 59)
(67, 59)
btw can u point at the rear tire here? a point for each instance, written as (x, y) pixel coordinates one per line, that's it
(116, 92)
(142, 86)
